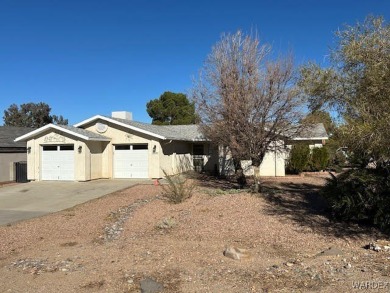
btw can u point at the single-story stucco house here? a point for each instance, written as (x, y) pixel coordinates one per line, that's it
(11, 151)
(118, 147)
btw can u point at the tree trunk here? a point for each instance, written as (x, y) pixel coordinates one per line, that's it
(240, 176)
(241, 179)
(256, 176)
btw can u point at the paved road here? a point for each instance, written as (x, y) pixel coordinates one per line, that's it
(29, 200)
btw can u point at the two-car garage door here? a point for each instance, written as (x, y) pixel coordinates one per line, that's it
(131, 161)
(57, 162)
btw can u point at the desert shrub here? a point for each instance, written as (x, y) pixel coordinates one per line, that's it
(178, 189)
(299, 158)
(319, 159)
(361, 195)
(166, 223)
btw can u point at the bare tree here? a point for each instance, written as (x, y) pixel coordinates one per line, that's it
(245, 101)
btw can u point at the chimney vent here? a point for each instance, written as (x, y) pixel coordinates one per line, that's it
(122, 115)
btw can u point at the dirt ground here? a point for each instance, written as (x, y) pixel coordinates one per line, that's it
(113, 243)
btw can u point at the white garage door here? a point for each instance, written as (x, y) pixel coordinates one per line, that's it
(57, 162)
(131, 161)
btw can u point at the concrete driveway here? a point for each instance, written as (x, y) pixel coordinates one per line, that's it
(29, 200)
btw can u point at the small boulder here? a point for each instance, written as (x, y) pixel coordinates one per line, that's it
(149, 285)
(236, 253)
(373, 246)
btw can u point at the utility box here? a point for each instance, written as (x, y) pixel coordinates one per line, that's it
(21, 172)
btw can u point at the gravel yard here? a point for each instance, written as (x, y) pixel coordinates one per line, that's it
(122, 241)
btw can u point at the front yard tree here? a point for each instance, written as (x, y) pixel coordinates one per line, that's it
(357, 85)
(171, 109)
(246, 101)
(31, 115)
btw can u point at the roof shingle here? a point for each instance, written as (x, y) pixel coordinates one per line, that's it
(9, 133)
(175, 132)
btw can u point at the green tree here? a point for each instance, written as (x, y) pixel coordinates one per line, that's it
(319, 116)
(319, 159)
(357, 85)
(298, 158)
(31, 115)
(171, 109)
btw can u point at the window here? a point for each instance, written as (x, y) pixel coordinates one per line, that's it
(50, 148)
(67, 147)
(198, 149)
(140, 147)
(122, 147)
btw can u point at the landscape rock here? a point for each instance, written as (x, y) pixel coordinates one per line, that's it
(236, 253)
(149, 285)
(39, 266)
(113, 230)
(379, 245)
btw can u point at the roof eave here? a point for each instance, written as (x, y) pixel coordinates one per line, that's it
(310, 138)
(59, 128)
(28, 135)
(99, 139)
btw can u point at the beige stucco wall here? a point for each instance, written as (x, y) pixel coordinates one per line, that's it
(273, 163)
(96, 158)
(95, 150)
(122, 135)
(175, 157)
(7, 160)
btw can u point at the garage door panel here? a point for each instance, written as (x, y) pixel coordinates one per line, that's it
(57, 164)
(130, 163)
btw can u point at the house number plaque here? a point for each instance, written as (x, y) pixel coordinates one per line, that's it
(55, 138)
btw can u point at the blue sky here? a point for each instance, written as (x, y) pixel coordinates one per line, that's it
(92, 57)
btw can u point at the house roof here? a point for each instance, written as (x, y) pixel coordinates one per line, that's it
(175, 132)
(312, 132)
(78, 132)
(9, 133)
(166, 132)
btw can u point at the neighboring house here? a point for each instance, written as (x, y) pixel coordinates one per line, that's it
(11, 151)
(274, 161)
(116, 147)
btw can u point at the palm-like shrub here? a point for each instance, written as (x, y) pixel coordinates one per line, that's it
(361, 195)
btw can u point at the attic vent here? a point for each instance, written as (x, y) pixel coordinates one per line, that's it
(100, 127)
(122, 115)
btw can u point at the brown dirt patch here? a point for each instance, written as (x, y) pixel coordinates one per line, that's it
(284, 228)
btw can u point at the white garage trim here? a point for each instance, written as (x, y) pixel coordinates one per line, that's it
(57, 162)
(131, 161)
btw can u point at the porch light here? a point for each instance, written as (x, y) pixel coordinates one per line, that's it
(29, 150)
(80, 148)
(154, 149)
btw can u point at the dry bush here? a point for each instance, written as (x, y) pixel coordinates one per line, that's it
(178, 189)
